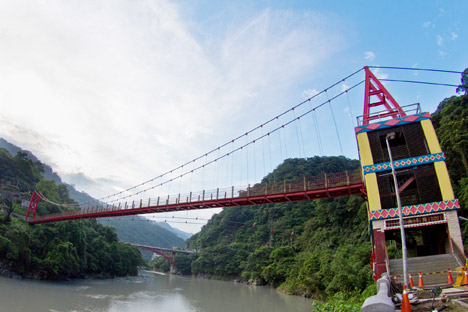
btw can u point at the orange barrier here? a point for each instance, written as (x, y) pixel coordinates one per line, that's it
(421, 282)
(405, 306)
(450, 278)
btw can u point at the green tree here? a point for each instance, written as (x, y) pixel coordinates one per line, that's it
(464, 82)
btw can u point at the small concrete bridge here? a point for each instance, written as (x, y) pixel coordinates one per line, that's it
(167, 253)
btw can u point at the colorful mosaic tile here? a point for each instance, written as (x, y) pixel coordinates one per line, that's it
(415, 209)
(392, 122)
(403, 163)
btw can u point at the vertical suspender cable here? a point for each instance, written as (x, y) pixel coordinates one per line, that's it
(297, 134)
(255, 163)
(263, 153)
(350, 111)
(279, 136)
(334, 122)
(317, 132)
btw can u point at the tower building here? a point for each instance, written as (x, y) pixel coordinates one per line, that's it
(429, 206)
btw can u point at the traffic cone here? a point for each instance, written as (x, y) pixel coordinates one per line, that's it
(421, 282)
(464, 279)
(411, 283)
(394, 278)
(450, 278)
(405, 306)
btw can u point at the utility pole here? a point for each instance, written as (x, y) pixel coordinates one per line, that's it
(391, 136)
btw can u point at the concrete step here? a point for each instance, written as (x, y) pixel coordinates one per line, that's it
(427, 265)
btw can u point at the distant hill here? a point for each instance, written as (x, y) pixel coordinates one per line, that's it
(136, 229)
(49, 173)
(139, 230)
(181, 234)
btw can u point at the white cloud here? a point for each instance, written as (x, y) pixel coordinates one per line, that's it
(454, 36)
(427, 24)
(440, 40)
(123, 90)
(307, 94)
(344, 86)
(379, 74)
(369, 55)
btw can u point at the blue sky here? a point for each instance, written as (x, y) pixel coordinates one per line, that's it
(113, 93)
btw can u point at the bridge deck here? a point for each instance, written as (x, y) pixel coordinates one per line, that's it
(153, 248)
(326, 186)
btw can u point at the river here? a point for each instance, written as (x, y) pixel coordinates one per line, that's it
(147, 292)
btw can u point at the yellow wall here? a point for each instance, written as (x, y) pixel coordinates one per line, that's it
(431, 137)
(440, 167)
(444, 180)
(364, 149)
(373, 196)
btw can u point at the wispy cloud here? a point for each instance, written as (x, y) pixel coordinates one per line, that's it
(369, 55)
(440, 40)
(307, 94)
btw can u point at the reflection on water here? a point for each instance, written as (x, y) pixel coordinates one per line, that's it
(148, 292)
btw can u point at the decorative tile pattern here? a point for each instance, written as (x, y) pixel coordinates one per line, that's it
(414, 210)
(392, 122)
(403, 163)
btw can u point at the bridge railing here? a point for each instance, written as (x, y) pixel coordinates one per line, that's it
(325, 181)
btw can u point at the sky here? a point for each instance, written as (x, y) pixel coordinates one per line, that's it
(114, 93)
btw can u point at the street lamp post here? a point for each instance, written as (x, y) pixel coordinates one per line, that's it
(391, 136)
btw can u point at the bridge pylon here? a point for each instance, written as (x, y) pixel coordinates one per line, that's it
(429, 207)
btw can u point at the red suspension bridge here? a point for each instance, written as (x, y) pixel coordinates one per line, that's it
(328, 185)
(307, 188)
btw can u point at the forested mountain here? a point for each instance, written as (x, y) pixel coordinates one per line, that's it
(139, 230)
(60, 250)
(179, 233)
(47, 171)
(135, 230)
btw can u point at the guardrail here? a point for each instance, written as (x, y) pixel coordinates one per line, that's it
(458, 253)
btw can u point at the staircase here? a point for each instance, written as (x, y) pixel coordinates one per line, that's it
(428, 264)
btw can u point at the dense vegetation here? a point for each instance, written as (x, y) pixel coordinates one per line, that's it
(56, 251)
(451, 123)
(310, 248)
(136, 230)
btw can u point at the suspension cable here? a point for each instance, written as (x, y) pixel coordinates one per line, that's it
(418, 69)
(223, 145)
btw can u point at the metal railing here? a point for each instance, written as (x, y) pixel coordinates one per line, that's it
(410, 109)
(458, 253)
